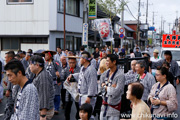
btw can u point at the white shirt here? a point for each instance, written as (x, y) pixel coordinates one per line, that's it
(153, 59)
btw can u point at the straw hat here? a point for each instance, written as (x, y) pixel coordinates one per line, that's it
(72, 57)
(52, 52)
(156, 51)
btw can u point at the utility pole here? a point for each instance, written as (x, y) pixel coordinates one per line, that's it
(64, 25)
(147, 12)
(163, 25)
(137, 34)
(169, 28)
(176, 23)
(161, 29)
(122, 21)
(153, 20)
(146, 42)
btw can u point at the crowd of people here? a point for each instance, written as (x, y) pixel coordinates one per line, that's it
(37, 83)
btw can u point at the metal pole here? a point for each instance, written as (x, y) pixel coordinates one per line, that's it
(137, 34)
(122, 21)
(153, 20)
(177, 22)
(146, 42)
(147, 12)
(161, 30)
(64, 25)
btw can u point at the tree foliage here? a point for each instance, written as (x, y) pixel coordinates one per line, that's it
(111, 7)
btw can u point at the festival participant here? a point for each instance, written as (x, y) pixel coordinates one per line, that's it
(71, 69)
(9, 56)
(163, 96)
(27, 102)
(53, 67)
(112, 85)
(145, 78)
(45, 87)
(87, 80)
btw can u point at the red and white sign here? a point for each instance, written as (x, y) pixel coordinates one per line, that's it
(121, 30)
(171, 40)
(104, 29)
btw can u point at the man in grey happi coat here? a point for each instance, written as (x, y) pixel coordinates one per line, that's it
(27, 102)
(145, 78)
(53, 67)
(71, 69)
(9, 56)
(44, 83)
(112, 87)
(87, 80)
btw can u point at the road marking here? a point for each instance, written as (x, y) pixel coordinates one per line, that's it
(1, 114)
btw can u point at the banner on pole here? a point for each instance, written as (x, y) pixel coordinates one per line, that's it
(92, 9)
(104, 27)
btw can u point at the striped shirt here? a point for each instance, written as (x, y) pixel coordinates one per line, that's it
(113, 94)
(88, 78)
(27, 105)
(45, 87)
(65, 74)
(147, 82)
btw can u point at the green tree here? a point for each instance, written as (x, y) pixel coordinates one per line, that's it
(111, 7)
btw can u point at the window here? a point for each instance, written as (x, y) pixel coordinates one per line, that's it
(72, 43)
(19, 1)
(35, 40)
(10, 43)
(60, 43)
(72, 7)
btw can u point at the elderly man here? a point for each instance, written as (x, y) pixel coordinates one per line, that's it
(64, 65)
(131, 74)
(145, 78)
(71, 69)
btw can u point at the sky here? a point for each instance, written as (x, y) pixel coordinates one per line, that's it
(168, 9)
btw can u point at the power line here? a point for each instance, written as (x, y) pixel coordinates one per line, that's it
(131, 12)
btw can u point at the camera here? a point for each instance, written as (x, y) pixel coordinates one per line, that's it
(72, 79)
(155, 106)
(103, 91)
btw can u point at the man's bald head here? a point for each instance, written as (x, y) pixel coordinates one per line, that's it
(62, 57)
(63, 60)
(133, 64)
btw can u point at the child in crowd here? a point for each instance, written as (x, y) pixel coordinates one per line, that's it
(85, 111)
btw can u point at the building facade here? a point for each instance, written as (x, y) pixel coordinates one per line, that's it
(39, 24)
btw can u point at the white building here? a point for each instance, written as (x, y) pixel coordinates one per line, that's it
(38, 24)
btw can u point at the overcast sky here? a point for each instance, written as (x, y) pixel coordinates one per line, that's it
(165, 8)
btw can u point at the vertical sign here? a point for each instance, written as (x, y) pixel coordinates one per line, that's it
(85, 34)
(92, 9)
